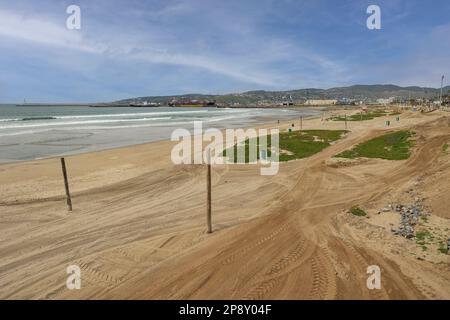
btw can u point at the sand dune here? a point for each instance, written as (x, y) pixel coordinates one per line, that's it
(138, 226)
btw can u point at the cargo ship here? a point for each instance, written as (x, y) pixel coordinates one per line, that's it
(192, 103)
(133, 104)
(145, 104)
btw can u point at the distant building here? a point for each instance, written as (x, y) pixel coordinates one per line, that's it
(446, 99)
(320, 102)
(345, 101)
(386, 101)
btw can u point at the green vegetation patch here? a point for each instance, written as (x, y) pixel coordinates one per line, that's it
(292, 145)
(421, 236)
(442, 248)
(357, 211)
(445, 148)
(425, 238)
(362, 116)
(391, 146)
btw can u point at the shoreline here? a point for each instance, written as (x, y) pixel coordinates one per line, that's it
(96, 169)
(257, 124)
(134, 159)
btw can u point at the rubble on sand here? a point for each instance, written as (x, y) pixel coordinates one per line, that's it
(410, 215)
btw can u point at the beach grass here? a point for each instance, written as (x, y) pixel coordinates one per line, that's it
(362, 116)
(357, 211)
(422, 235)
(442, 248)
(294, 145)
(391, 146)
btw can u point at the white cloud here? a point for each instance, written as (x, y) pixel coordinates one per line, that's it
(45, 33)
(42, 32)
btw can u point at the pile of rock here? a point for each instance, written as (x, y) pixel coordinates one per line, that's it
(410, 215)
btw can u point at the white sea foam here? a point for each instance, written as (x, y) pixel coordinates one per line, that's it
(18, 133)
(9, 120)
(103, 129)
(130, 114)
(71, 123)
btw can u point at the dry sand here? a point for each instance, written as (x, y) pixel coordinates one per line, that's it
(138, 226)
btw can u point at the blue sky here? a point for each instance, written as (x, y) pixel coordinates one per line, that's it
(129, 48)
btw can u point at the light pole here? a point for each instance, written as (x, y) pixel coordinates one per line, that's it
(442, 83)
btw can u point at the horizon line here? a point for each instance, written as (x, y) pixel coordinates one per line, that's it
(219, 94)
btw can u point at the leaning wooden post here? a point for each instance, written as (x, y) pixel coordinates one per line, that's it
(66, 184)
(208, 193)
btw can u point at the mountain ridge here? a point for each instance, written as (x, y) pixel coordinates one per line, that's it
(358, 91)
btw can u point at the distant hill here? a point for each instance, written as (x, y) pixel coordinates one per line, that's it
(361, 92)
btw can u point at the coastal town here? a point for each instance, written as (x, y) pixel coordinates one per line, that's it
(369, 95)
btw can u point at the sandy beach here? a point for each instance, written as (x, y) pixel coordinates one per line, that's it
(138, 228)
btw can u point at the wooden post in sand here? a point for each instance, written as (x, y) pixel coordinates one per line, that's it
(208, 193)
(301, 122)
(66, 184)
(345, 122)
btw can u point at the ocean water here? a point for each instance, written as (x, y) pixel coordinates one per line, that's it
(36, 132)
